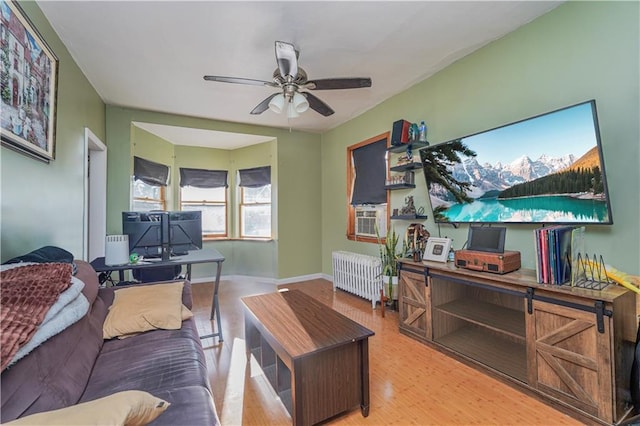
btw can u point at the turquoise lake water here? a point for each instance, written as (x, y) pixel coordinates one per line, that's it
(532, 209)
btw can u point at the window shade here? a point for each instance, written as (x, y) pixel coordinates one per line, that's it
(201, 178)
(370, 170)
(256, 177)
(151, 173)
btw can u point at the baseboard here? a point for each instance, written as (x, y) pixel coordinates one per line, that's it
(232, 278)
(301, 278)
(275, 281)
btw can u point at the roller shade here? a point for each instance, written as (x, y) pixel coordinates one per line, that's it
(154, 174)
(370, 168)
(201, 178)
(256, 177)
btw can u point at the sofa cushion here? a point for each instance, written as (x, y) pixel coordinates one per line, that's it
(55, 374)
(123, 408)
(190, 405)
(142, 308)
(152, 362)
(88, 276)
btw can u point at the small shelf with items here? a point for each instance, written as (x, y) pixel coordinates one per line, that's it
(407, 146)
(404, 167)
(409, 217)
(399, 186)
(403, 181)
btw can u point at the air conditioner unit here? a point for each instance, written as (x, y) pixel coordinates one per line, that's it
(370, 217)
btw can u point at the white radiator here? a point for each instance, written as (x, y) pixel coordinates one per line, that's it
(359, 274)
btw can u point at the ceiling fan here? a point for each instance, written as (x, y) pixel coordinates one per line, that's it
(292, 79)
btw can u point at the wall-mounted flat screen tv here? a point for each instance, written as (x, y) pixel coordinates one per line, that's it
(544, 169)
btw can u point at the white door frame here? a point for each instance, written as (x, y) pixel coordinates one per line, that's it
(95, 196)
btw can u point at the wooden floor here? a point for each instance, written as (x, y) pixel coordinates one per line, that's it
(410, 383)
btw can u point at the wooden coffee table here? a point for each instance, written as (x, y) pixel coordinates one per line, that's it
(316, 359)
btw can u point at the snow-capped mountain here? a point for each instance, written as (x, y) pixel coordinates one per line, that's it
(487, 177)
(527, 169)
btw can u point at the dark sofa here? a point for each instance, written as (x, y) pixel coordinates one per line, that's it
(77, 365)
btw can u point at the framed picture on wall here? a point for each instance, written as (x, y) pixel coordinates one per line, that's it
(437, 249)
(28, 89)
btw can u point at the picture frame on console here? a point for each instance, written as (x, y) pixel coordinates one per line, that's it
(437, 249)
(28, 92)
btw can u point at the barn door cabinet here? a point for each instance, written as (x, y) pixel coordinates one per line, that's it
(572, 347)
(414, 302)
(572, 356)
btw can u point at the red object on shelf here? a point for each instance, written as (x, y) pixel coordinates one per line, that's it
(400, 133)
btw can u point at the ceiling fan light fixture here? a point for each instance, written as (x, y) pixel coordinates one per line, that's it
(300, 103)
(290, 78)
(291, 111)
(277, 103)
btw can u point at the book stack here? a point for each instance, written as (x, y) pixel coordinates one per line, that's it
(554, 253)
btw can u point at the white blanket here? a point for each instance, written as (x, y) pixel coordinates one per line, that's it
(70, 306)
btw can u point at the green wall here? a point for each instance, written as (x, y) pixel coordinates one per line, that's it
(577, 52)
(43, 204)
(293, 157)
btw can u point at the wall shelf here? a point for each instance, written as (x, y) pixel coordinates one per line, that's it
(409, 217)
(405, 167)
(399, 186)
(405, 146)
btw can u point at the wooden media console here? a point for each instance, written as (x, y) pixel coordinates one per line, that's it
(571, 347)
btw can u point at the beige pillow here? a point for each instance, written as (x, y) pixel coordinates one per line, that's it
(185, 312)
(127, 408)
(142, 308)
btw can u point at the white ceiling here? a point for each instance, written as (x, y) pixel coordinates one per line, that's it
(152, 55)
(200, 137)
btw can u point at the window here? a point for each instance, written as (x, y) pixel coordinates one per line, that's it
(255, 202)
(368, 199)
(206, 190)
(212, 202)
(148, 183)
(147, 197)
(255, 212)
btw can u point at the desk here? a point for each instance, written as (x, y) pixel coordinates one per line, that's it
(316, 359)
(208, 255)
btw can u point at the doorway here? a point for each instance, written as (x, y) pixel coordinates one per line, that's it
(95, 196)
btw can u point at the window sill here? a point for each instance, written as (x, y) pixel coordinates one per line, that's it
(353, 237)
(265, 240)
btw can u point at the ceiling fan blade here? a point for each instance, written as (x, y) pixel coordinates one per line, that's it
(317, 105)
(338, 83)
(264, 105)
(237, 80)
(287, 59)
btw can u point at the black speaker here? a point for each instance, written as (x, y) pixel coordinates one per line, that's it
(400, 133)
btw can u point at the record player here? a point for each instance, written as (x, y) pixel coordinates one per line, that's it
(486, 252)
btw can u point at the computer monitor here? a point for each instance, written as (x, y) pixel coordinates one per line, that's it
(185, 231)
(160, 234)
(148, 233)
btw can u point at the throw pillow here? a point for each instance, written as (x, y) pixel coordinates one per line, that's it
(129, 408)
(143, 308)
(186, 314)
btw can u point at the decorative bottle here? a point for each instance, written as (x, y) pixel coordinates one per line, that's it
(423, 132)
(452, 253)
